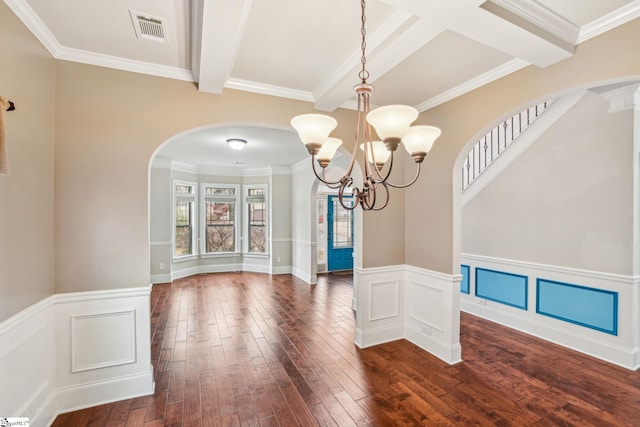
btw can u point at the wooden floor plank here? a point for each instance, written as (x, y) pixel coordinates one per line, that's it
(249, 349)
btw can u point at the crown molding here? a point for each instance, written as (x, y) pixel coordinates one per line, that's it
(481, 80)
(265, 89)
(33, 22)
(542, 18)
(617, 17)
(118, 63)
(621, 99)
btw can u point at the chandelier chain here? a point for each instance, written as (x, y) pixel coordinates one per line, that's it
(364, 74)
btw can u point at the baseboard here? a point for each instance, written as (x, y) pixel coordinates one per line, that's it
(98, 393)
(281, 269)
(304, 275)
(448, 353)
(617, 344)
(375, 336)
(617, 355)
(160, 278)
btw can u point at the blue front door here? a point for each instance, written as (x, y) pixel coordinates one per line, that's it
(340, 235)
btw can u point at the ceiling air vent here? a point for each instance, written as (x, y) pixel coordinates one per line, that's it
(148, 27)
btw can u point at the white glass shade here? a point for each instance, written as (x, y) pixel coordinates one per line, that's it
(380, 152)
(328, 149)
(420, 139)
(313, 128)
(392, 121)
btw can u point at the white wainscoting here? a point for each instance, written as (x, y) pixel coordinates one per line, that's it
(304, 260)
(407, 302)
(73, 351)
(622, 349)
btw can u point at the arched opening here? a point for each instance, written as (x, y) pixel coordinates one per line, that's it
(198, 185)
(545, 246)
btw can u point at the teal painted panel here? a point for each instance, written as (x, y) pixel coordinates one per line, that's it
(590, 307)
(505, 288)
(464, 285)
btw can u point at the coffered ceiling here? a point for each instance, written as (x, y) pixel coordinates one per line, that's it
(419, 52)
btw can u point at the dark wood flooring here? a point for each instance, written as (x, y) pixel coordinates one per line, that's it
(256, 350)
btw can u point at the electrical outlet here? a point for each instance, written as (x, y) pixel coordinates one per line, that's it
(162, 266)
(278, 259)
(481, 301)
(426, 330)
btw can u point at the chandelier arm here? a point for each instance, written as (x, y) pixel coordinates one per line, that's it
(341, 199)
(329, 184)
(386, 189)
(410, 183)
(380, 179)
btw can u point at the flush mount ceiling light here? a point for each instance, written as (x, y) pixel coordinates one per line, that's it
(393, 126)
(236, 143)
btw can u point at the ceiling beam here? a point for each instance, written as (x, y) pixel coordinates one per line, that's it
(399, 37)
(217, 31)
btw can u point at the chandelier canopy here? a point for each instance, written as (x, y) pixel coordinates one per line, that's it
(392, 124)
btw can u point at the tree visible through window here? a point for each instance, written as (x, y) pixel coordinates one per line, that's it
(220, 217)
(220, 227)
(257, 219)
(184, 218)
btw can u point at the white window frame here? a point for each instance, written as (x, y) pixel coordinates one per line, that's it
(245, 221)
(203, 214)
(193, 199)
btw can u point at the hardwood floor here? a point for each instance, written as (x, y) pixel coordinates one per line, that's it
(257, 350)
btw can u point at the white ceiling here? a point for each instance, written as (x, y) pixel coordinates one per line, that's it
(419, 52)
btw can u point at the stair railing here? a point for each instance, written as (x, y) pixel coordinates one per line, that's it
(498, 139)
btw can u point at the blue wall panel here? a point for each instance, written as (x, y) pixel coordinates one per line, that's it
(590, 307)
(505, 288)
(464, 285)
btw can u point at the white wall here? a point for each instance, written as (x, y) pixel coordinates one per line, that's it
(567, 200)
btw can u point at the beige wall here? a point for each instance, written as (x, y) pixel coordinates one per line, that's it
(433, 205)
(26, 196)
(108, 125)
(567, 200)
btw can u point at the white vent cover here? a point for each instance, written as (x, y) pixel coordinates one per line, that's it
(148, 27)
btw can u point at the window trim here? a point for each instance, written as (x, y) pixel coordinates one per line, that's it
(245, 221)
(194, 219)
(203, 220)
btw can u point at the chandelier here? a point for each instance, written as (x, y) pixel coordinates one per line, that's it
(393, 126)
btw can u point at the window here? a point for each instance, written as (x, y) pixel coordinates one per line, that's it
(220, 218)
(184, 218)
(256, 223)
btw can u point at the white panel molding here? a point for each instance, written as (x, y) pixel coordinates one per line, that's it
(86, 340)
(36, 360)
(472, 84)
(432, 320)
(439, 335)
(622, 349)
(162, 243)
(304, 275)
(543, 123)
(437, 294)
(383, 300)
